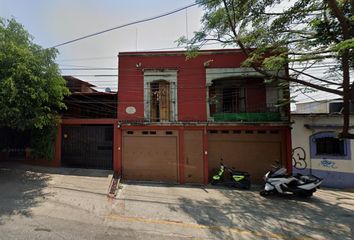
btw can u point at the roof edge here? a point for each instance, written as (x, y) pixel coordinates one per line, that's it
(181, 52)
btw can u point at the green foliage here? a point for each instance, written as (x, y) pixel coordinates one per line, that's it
(31, 87)
(308, 31)
(275, 62)
(43, 143)
(344, 45)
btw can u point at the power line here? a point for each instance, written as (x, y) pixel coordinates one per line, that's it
(80, 66)
(133, 75)
(86, 59)
(140, 50)
(126, 25)
(89, 68)
(314, 68)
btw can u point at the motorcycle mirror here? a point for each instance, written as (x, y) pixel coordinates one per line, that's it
(276, 165)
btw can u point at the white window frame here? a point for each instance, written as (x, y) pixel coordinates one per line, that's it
(170, 76)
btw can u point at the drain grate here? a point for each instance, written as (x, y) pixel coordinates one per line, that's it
(113, 187)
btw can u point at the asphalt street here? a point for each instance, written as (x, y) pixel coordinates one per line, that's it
(48, 203)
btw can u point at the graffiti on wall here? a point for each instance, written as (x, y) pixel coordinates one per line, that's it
(299, 158)
(328, 164)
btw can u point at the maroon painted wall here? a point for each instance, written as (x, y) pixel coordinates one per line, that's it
(256, 96)
(191, 92)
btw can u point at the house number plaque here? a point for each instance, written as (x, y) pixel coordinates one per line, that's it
(130, 110)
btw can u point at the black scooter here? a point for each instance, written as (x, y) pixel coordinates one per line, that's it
(231, 178)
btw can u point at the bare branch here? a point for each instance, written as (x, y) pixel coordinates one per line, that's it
(316, 78)
(218, 40)
(304, 39)
(320, 57)
(308, 84)
(298, 32)
(267, 74)
(310, 53)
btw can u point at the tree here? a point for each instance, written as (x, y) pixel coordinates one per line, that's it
(31, 87)
(300, 34)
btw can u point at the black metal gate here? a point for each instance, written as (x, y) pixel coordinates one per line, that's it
(87, 146)
(13, 143)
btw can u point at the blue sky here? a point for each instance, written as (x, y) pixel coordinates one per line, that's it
(56, 21)
(59, 20)
(52, 22)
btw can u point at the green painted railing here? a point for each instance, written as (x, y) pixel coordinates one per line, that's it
(247, 117)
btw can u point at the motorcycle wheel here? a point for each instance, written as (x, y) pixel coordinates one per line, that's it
(214, 182)
(306, 194)
(247, 186)
(264, 193)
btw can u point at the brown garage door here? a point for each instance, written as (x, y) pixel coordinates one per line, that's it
(252, 151)
(193, 156)
(150, 155)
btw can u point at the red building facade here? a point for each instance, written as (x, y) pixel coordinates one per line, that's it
(175, 119)
(191, 81)
(178, 118)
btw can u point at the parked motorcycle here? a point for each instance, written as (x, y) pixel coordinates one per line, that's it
(231, 178)
(278, 181)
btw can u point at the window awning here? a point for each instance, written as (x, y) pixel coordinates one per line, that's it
(218, 73)
(325, 126)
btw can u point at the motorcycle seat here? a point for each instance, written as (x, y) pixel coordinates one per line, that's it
(279, 176)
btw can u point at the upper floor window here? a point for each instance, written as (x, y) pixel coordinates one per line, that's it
(240, 94)
(327, 145)
(160, 101)
(160, 95)
(233, 100)
(226, 98)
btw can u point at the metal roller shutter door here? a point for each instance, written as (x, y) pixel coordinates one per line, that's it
(252, 151)
(150, 156)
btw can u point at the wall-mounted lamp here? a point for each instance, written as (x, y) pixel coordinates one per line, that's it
(207, 63)
(138, 65)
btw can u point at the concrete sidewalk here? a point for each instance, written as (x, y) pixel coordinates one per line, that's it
(47, 203)
(27, 190)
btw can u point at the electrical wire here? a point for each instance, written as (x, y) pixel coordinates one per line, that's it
(125, 69)
(141, 50)
(125, 25)
(121, 26)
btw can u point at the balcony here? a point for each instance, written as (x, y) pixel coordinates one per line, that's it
(248, 117)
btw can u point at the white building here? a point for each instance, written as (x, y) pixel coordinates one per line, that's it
(316, 146)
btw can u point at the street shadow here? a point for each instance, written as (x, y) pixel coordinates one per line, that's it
(235, 213)
(83, 172)
(20, 191)
(158, 184)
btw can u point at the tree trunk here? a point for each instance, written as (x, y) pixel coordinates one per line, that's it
(343, 22)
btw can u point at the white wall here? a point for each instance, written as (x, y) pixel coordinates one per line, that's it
(312, 107)
(341, 169)
(301, 135)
